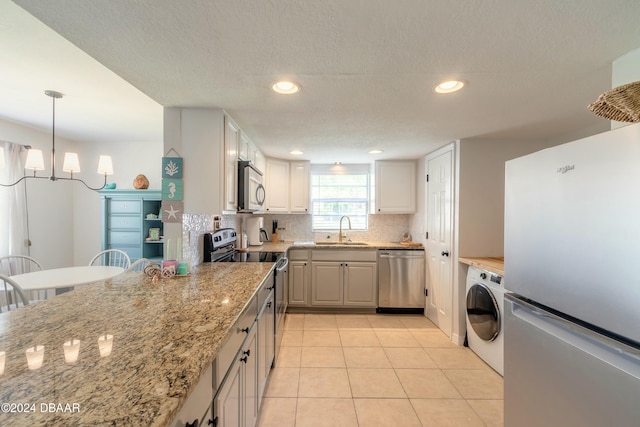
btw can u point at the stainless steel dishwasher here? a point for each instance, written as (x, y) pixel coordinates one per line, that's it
(401, 280)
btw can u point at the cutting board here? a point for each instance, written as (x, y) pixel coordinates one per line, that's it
(411, 244)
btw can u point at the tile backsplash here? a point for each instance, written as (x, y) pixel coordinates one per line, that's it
(385, 228)
(298, 228)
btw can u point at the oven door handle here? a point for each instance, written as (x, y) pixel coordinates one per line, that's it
(282, 264)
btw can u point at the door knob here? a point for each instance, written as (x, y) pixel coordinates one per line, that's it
(445, 253)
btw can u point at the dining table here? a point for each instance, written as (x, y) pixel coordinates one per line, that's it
(65, 277)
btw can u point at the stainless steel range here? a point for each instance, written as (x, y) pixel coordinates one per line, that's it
(220, 246)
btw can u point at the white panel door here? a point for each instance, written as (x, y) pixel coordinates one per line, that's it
(439, 210)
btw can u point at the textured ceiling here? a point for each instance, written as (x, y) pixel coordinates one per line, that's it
(367, 68)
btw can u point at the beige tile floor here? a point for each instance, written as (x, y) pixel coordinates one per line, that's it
(377, 370)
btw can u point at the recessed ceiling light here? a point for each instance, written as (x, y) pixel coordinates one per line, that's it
(296, 152)
(285, 87)
(375, 151)
(449, 86)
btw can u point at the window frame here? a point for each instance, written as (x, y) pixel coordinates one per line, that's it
(334, 170)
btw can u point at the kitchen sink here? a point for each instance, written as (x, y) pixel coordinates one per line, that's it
(349, 243)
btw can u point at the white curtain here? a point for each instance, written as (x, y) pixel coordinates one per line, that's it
(14, 230)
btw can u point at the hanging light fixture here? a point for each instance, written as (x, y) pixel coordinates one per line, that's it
(71, 163)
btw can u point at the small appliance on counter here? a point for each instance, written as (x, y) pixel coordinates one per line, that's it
(255, 230)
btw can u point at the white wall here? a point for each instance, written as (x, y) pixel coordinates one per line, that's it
(50, 205)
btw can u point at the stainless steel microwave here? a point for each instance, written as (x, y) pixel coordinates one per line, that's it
(251, 192)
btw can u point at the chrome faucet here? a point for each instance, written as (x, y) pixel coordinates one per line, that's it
(341, 236)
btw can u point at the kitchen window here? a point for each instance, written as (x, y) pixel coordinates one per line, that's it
(338, 190)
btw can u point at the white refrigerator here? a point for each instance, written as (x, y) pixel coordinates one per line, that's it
(572, 314)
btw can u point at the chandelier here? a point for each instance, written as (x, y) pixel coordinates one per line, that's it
(71, 163)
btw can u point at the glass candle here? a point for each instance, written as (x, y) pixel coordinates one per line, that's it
(35, 357)
(105, 344)
(71, 350)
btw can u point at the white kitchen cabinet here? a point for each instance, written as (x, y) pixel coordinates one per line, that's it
(236, 402)
(277, 186)
(299, 277)
(260, 161)
(266, 342)
(244, 362)
(231, 142)
(344, 278)
(198, 405)
(244, 147)
(326, 283)
(395, 186)
(360, 284)
(299, 187)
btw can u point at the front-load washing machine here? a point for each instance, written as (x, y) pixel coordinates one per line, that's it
(485, 301)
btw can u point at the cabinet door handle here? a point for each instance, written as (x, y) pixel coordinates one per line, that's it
(248, 352)
(193, 424)
(213, 421)
(445, 253)
(245, 330)
(243, 359)
(269, 304)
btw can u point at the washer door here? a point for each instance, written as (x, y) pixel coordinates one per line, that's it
(483, 312)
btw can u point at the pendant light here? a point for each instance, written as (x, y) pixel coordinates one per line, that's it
(71, 163)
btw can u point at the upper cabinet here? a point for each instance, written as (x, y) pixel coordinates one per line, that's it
(231, 155)
(287, 186)
(247, 150)
(211, 144)
(395, 186)
(277, 186)
(299, 186)
(237, 146)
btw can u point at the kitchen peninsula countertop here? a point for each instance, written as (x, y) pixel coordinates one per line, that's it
(494, 265)
(164, 337)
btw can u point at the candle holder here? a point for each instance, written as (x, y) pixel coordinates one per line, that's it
(71, 350)
(35, 357)
(105, 344)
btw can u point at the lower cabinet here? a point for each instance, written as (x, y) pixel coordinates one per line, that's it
(344, 278)
(198, 404)
(326, 283)
(266, 343)
(244, 362)
(236, 403)
(351, 284)
(360, 284)
(299, 278)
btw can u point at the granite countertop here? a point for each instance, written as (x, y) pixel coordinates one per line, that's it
(164, 337)
(494, 265)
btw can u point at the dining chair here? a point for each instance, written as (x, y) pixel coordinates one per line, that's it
(113, 257)
(12, 296)
(11, 265)
(139, 264)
